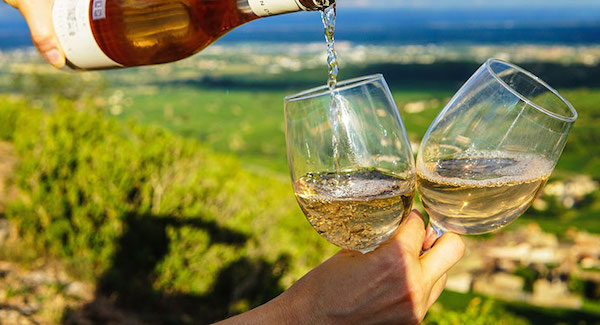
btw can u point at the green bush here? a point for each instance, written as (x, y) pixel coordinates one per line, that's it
(8, 119)
(42, 84)
(156, 218)
(478, 312)
(529, 276)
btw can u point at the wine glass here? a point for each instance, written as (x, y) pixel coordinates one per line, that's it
(350, 161)
(492, 148)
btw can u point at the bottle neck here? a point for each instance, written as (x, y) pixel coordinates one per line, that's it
(264, 8)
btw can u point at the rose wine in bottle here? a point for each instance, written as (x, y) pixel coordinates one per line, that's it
(101, 34)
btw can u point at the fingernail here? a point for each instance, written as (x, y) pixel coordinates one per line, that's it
(415, 211)
(428, 232)
(53, 57)
(413, 214)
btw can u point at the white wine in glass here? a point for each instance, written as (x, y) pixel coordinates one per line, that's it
(359, 208)
(490, 151)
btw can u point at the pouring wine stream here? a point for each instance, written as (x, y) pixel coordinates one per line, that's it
(328, 17)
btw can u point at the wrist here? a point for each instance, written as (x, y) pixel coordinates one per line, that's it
(285, 309)
(290, 308)
(300, 304)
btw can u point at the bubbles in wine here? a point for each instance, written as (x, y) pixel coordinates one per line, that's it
(356, 210)
(482, 192)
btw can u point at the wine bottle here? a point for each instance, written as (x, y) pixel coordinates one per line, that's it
(101, 34)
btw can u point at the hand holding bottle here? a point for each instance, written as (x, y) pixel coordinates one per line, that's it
(38, 14)
(101, 34)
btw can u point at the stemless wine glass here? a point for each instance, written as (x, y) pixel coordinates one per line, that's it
(350, 160)
(492, 148)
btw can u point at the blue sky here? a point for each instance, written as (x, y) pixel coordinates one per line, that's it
(468, 3)
(14, 32)
(7, 13)
(5, 9)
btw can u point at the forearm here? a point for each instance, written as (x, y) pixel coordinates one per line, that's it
(286, 309)
(392, 285)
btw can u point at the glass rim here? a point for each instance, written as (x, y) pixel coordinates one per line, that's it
(341, 86)
(527, 100)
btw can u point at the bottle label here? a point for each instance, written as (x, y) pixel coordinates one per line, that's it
(72, 25)
(263, 8)
(98, 9)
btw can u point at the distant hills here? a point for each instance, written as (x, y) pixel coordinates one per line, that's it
(568, 25)
(574, 25)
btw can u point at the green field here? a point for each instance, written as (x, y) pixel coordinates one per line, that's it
(234, 117)
(248, 124)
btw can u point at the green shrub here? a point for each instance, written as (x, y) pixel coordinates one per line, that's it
(577, 285)
(154, 217)
(478, 312)
(529, 276)
(8, 118)
(42, 84)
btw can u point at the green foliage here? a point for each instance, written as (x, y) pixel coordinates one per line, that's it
(478, 312)
(44, 83)
(585, 288)
(152, 213)
(247, 124)
(577, 285)
(529, 276)
(8, 119)
(582, 153)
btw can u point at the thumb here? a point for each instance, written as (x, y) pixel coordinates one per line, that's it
(411, 233)
(38, 14)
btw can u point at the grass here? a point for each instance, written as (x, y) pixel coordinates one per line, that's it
(249, 124)
(586, 220)
(582, 153)
(589, 314)
(245, 123)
